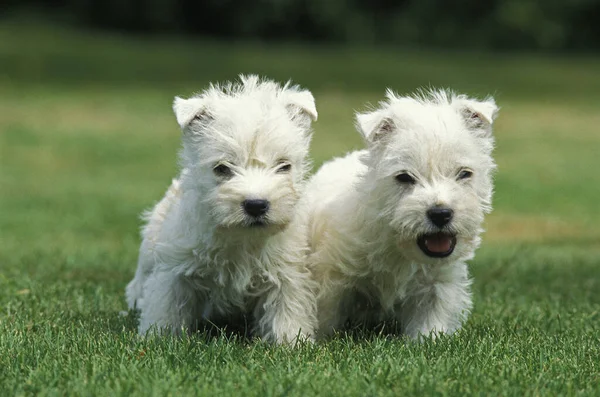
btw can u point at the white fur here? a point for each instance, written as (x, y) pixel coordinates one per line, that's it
(363, 224)
(202, 258)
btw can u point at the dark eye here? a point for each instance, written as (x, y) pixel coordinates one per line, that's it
(202, 116)
(405, 178)
(222, 170)
(465, 174)
(285, 167)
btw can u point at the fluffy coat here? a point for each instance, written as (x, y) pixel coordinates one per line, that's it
(204, 257)
(367, 215)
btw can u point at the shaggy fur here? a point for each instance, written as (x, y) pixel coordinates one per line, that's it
(365, 216)
(204, 256)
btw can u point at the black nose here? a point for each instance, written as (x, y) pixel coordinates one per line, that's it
(255, 208)
(440, 216)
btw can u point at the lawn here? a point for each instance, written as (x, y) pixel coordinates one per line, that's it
(88, 140)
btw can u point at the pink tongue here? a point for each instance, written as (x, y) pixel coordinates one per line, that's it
(438, 243)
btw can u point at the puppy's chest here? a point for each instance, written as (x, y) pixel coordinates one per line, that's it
(388, 288)
(392, 288)
(230, 283)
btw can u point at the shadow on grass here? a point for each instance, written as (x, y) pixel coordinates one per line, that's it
(236, 330)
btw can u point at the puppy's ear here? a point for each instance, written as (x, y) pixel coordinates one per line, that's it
(374, 126)
(478, 115)
(187, 110)
(301, 106)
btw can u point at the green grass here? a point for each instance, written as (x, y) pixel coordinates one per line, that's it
(88, 140)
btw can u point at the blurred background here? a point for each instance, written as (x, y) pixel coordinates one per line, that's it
(88, 139)
(494, 24)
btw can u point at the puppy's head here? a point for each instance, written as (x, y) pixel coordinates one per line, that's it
(245, 148)
(430, 171)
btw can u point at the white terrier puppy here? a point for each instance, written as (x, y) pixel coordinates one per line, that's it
(222, 242)
(390, 227)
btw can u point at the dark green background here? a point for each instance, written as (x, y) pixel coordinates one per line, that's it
(491, 24)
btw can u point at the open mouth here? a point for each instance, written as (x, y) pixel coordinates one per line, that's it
(437, 245)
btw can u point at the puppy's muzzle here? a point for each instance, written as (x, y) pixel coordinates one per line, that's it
(256, 207)
(439, 244)
(440, 216)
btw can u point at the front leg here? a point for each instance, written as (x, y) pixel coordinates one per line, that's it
(437, 303)
(171, 303)
(286, 312)
(333, 301)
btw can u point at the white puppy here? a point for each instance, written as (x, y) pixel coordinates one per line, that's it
(222, 242)
(390, 227)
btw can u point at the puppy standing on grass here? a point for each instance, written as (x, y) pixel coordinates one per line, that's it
(391, 227)
(222, 242)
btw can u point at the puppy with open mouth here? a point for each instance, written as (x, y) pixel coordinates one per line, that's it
(391, 227)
